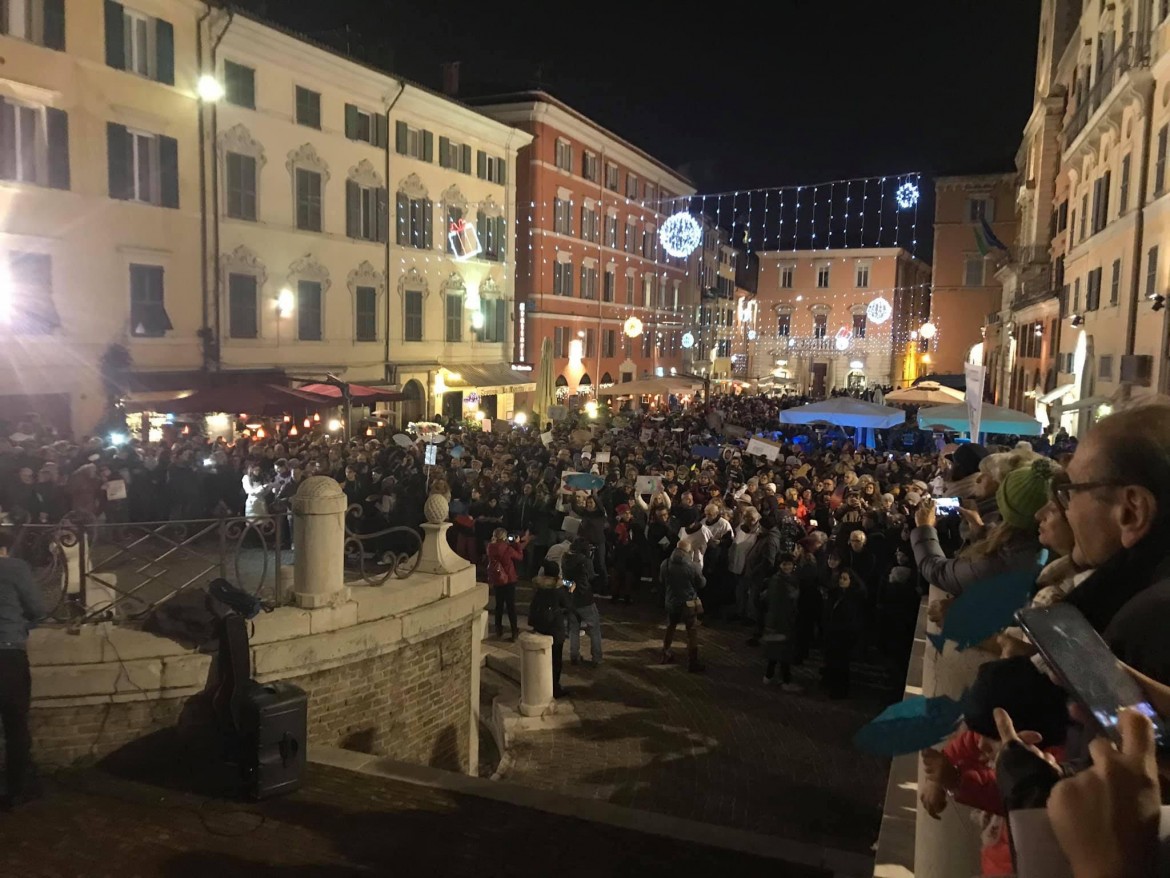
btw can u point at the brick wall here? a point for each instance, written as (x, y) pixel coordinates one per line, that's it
(411, 704)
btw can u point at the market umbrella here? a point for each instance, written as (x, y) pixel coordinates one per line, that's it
(359, 393)
(995, 419)
(925, 393)
(545, 395)
(845, 411)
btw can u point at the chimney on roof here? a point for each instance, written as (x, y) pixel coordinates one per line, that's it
(451, 79)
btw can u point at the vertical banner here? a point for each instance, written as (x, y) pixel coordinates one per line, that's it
(976, 374)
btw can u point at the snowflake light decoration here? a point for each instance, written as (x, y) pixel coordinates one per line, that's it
(680, 235)
(842, 339)
(907, 195)
(688, 340)
(633, 327)
(879, 310)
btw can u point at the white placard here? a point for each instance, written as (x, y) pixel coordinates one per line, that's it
(486, 425)
(116, 489)
(430, 455)
(975, 374)
(546, 438)
(763, 448)
(570, 525)
(648, 485)
(602, 457)
(647, 435)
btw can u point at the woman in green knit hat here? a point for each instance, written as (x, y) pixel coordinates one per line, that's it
(1011, 546)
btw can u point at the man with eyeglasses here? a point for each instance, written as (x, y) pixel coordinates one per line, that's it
(1116, 497)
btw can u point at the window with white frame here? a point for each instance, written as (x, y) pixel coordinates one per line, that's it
(629, 289)
(980, 207)
(611, 232)
(973, 267)
(611, 176)
(560, 341)
(562, 216)
(609, 287)
(787, 273)
(148, 313)
(823, 275)
(650, 242)
(37, 21)
(861, 278)
(456, 156)
(589, 166)
(820, 325)
(494, 168)
(783, 324)
(34, 144)
(140, 43)
(562, 278)
(608, 343)
(630, 242)
(417, 143)
(415, 218)
(631, 185)
(588, 281)
(365, 211)
(565, 156)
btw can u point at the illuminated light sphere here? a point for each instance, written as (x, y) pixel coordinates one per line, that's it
(842, 339)
(907, 195)
(927, 330)
(209, 88)
(680, 235)
(688, 340)
(334, 425)
(477, 320)
(751, 335)
(879, 310)
(633, 327)
(856, 364)
(520, 418)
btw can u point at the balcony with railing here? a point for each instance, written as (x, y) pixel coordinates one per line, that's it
(1131, 53)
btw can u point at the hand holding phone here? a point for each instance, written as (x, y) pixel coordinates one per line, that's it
(1088, 670)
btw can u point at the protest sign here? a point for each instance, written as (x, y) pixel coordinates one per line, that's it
(705, 451)
(546, 438)
(648, 485)
(602, 457)
(763, 448)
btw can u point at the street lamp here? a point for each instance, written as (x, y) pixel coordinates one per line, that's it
(209, 89)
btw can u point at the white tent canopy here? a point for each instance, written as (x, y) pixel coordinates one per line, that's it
(653, 387)
(925, 393)
(845, 411)
(995, 419)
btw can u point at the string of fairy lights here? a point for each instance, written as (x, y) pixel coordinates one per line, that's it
(659, 250)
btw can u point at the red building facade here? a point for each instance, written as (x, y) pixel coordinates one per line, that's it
(588, 255)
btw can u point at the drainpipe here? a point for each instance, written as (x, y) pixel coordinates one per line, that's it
(389, 236)
(1139, 235)
(204, 330)
(216, 280)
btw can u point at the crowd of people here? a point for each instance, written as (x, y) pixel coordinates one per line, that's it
(820, 549)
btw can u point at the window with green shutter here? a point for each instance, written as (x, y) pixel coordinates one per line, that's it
(365, 314)
(242, 306)
(139, 43)
(240, 186)
(37, 21)
(454, 306)
(34, 144)
(412, 312)
(309, 311)
(148, 313)
(31, 310)
(308, 198)
(239, 85)
(308, 107)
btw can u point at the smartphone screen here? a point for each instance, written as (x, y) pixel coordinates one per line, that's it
(1091, 673)
(947, 505)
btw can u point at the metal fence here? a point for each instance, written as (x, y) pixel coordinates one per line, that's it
(92, 571)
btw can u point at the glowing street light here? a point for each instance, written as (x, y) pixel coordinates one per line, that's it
(520, 418)
(285, 302)
(209, 88)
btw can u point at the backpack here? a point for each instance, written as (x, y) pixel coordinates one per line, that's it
(542, 611)
(496, 575)
(234, 597)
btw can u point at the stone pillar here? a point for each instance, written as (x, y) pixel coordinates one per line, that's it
(437, 556)
(949, 846)
(536, 683)
(319, 536)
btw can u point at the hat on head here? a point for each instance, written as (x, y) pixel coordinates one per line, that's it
(1023, 493)
(913, 498)
(1032, 700)
(965, 461)
(622, 508)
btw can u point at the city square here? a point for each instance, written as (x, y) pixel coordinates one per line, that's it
(436, 437)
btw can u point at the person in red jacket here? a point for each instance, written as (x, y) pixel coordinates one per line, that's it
(964, 769)
(503, 552)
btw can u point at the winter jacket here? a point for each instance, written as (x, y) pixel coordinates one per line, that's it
(21, 605)
(783, 593)
(761, 561)
(844, 614)
(579, 568)
(682, 579)
(551, 604)
(954, 575)
(507, 554)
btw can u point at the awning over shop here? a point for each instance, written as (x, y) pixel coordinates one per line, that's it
(488, 379)
(251, 398)
(190, 380)
(358, 393)
(653, 387)
(1057, 394)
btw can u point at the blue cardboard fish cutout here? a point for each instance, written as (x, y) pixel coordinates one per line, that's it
(985, 608)
(909, 726)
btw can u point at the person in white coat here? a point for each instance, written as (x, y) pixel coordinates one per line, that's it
(256, 489)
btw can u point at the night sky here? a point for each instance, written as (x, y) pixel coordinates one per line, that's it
(807, 91)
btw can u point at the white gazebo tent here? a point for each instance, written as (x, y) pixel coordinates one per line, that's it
(994, 419)
(845, 411)
(925, 393)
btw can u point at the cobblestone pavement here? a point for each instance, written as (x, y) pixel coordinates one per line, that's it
(719, 747)
(98, 823)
